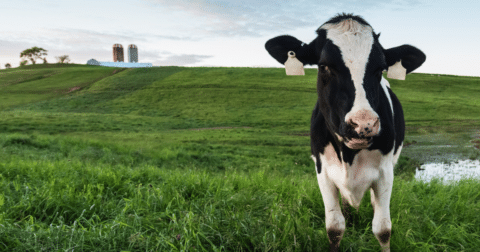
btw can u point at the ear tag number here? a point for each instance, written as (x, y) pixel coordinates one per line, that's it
(293, 66)
(397, 71)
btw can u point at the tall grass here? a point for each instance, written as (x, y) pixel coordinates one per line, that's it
(203, 159)
(73, 203)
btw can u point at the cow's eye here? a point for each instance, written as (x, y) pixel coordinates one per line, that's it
(324, 69)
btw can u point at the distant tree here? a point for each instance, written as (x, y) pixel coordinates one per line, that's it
(33, 53)
(45, 60)
(7, 66)
(23, 63)
(63, 59)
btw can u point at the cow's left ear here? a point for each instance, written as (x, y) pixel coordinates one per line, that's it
(279, 47)
(411, 57)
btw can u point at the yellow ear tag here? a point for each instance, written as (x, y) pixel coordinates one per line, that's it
(293, 66)
(397, 71)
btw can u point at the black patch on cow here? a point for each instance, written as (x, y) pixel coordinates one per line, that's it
(384, 140)
(411, 57)
(378, 100)
(348, 154)
(279, 47)
(318, 135)
(399, 121)
(319, 164)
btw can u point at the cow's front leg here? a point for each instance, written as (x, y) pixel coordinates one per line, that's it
(334, 220)
(381, 193)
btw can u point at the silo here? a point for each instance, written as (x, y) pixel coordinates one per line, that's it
(117, 53)
(132, 53)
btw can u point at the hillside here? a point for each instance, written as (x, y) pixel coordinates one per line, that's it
(213, 97)
(209, 159)
(19, 86)
(264, 106)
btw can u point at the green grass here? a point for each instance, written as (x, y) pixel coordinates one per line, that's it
(208, 159)
(447, 102)
(35, 83)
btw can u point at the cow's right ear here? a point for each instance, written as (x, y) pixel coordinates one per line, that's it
(279, 47)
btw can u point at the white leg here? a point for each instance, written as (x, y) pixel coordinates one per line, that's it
(381, 193)
(334, 220)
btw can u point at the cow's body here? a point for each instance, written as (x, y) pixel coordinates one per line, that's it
(357, 126)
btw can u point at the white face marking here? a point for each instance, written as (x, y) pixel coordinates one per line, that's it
(355, 42)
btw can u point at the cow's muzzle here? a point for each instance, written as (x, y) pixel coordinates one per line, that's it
(362, 126)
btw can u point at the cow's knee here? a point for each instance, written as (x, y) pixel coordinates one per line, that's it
(335, 228)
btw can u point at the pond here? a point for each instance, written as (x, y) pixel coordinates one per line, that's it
(449, 172)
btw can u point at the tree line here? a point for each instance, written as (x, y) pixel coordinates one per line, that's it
(35, 53)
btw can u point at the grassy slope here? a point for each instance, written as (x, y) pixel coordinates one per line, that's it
(82, 169)
(35, 83)
(445, 100)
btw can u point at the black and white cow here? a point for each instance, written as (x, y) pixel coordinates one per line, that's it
(357, 126)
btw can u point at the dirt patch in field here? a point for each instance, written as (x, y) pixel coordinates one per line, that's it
(73, 89)
(409, 143)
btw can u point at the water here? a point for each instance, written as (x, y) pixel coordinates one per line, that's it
(453, 171)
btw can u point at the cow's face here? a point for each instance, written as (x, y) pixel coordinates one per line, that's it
(348, 85)
(350, 62)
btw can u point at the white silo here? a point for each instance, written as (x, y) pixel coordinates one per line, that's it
(132, 53)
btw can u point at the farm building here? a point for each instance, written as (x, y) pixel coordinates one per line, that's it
(118, 58)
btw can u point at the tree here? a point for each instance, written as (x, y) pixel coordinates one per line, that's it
(7, 66)
(45, 60)
(33, 53)
(23, 62)
(63, 59)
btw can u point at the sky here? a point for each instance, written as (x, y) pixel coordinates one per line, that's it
(232, 33)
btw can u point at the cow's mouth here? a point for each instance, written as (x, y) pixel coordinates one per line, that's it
(358, 143)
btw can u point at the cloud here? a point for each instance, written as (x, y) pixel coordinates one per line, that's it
(79, 38)
(81, 55)
(14, 48)
(255, 18)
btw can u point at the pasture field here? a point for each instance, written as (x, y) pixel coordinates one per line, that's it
(210, 159)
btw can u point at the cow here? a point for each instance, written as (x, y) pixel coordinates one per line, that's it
(357, 126)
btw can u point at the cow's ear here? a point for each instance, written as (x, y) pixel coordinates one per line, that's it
(279, 47)
(411, 57)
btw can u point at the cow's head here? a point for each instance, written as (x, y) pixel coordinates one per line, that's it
(350, 62)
